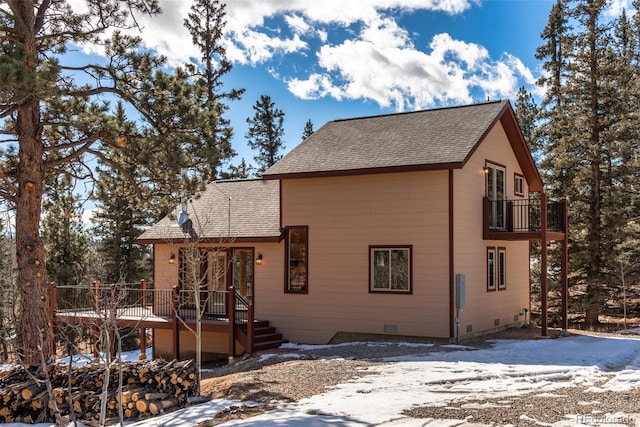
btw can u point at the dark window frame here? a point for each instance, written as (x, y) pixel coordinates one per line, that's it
(302, 263)
(389, 290)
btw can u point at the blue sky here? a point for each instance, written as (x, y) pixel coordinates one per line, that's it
(330, 59)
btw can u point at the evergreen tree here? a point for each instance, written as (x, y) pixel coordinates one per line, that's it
(66, 241)
(205, 23)
(59, 117)
(121, 216)
(242, 171)
(9, 314)
(265, 132)
(308, 130)
(527, 113)
(588, 130)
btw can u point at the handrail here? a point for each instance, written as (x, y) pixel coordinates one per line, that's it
(523, 215)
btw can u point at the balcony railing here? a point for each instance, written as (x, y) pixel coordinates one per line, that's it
(524, 215)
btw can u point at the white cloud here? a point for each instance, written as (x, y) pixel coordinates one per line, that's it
(382, 65)
(297, 24)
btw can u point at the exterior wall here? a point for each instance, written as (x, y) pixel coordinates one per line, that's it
(267, 276)
(485, 310)
(345, 215)
(214, 345)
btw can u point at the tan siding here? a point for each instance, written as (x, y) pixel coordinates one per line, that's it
(345, 215)
(482, 307)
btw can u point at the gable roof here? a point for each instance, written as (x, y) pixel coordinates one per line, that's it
(231, 210)
(443, 138)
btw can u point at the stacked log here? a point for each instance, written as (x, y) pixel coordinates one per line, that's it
(149, 388)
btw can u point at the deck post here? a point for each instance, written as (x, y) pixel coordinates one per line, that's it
(143, 331)
(543, 263)
(53, 304)
(112, 324)
(95, 328)
(96, 295)
(250, 318)
(232, 322)
(565, 268)
(174, 319)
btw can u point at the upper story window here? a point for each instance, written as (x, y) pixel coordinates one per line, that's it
(297, 244)
(518, 184)
(390, 269)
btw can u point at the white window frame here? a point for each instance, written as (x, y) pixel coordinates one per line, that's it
(491, 269)
(518, 185)
(501, 269)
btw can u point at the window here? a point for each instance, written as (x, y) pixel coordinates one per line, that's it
(297, 260)
(491, 269)
(390, 269)
(502, 269)
(518, 184)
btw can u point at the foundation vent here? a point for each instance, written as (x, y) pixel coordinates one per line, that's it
(390, 329)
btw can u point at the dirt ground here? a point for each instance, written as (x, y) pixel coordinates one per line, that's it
(271, 382)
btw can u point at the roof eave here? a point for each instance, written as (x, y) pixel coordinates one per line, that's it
(365, 171)
(507, 118)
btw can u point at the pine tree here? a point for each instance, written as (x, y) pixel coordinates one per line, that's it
(205, 23)
(66, 241)
(242, 171)
(308, 130)
(59, 119)
(265, 132)
(120, 216)
(527, 113)
(588, 132)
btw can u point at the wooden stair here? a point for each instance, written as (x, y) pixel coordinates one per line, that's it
(265, 336)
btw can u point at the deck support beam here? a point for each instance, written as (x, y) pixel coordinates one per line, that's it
(543, 264)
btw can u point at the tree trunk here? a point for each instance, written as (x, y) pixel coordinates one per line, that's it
(32, 275)
(591, 319)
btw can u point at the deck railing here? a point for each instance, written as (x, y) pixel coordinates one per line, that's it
(523, 215)
(137, 300)
(140, 301)
(213, 304)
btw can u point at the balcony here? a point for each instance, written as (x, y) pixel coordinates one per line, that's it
(524, 219)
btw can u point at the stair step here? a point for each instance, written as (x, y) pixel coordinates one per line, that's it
(268, 345)
(266, 338)
(264, 330)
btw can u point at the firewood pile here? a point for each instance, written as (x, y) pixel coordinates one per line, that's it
(148, 388)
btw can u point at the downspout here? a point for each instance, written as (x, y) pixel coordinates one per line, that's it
(452, 309)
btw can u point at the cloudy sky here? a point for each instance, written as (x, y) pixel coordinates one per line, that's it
(329, 59)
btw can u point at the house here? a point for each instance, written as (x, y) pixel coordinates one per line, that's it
(412, 224)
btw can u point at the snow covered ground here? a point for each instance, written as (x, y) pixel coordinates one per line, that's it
(509, 368)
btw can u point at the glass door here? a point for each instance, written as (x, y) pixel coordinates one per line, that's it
(217, 281)
(243, 273)
(496, 194)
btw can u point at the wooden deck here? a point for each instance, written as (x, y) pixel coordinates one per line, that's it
(140, 306)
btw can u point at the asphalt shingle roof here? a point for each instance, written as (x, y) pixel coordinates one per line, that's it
(254, 206)
(442, 136)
